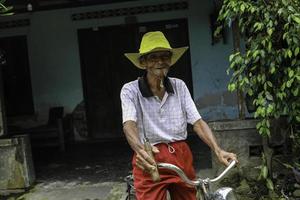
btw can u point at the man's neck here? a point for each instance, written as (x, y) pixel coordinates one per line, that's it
(155, 82)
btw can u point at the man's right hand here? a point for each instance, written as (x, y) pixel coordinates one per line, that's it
(144, 161)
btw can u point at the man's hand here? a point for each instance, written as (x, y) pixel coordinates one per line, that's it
(144, 161)
(226, 157)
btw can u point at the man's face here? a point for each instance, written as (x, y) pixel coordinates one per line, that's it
(158, 63)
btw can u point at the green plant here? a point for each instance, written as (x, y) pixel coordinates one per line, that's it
(264, 174)
(5, 10)
(269, 68)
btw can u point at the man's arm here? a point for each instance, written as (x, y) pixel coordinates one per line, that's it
(143, 160)
(204, 132)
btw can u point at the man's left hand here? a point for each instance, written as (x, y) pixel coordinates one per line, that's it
(226, 157)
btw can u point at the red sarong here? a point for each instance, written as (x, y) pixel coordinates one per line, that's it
(182, 157)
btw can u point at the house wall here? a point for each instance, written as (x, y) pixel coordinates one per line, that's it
(55, 63)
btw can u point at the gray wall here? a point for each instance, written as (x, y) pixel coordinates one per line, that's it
(55, 63)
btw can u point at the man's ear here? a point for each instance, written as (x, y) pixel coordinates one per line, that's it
(143, 62)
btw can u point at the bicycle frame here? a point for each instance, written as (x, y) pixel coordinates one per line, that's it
(202, 185)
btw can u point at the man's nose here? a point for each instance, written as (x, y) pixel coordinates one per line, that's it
(160, 60)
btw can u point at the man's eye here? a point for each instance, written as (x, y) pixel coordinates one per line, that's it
(152, 57)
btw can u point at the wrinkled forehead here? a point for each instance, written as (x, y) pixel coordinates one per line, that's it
(160, 53)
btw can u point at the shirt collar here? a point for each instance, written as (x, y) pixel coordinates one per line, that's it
(145, 88)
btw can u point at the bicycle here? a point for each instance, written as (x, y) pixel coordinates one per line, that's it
(202, 185)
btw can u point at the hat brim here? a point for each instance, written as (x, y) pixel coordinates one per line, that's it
(176, 54)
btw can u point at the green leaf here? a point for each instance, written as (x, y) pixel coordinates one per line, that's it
(217, 31)
(259, 177)
(270, 184)
(272, 70)
(232, 65)
(270, 31)
(284, 2)
(287, 165)
(285, 35)
(227, 71)
(258, 78)
(246, 80)
(250, 91)
(268, 122)
(290, 53)
(289, 83)
(269, 110)
(280, 11)
(291, 9)
(262, 53)
(295, 92)
(291, 73)
(256, 52)
(231, 87)
(242, 7)
(296, 19)
(258, 26)
(268, 133)
(269, 84)
(280, 96)
(297, 51)
(264, 172)
(263, 77)
(269, 96)
(262, 130)
(231, 57)
(269, 46)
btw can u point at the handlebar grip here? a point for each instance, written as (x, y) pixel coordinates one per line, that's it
(154, 174)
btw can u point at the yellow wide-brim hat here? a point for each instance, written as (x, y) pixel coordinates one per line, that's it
(153, 42)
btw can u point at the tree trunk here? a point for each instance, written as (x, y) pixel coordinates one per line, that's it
(236, 47)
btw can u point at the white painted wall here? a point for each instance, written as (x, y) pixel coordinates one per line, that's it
(55, 63)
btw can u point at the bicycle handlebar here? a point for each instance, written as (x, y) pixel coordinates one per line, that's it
(197, 181)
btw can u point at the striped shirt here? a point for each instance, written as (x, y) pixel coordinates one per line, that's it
(162, 120)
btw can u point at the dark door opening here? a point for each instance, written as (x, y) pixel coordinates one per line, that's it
(105, 69)
(16, 77)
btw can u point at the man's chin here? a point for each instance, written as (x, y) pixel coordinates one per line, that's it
(163, 74)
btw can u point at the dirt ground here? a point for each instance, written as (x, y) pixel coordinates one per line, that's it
(92, 169)
(99, 161)
(93, 162)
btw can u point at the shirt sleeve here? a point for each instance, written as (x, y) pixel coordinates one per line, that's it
(192, 113)
(128, 104)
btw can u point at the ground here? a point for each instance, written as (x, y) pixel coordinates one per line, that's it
(93, 170)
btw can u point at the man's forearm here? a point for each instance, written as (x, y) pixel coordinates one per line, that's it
(204, 132)
(132, 136)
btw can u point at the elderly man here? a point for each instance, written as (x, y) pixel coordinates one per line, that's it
(158, 108)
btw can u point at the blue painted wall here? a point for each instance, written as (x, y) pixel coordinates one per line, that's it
(55, 63)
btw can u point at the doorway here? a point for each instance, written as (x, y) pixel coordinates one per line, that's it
(16, 77)
(105, 69)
